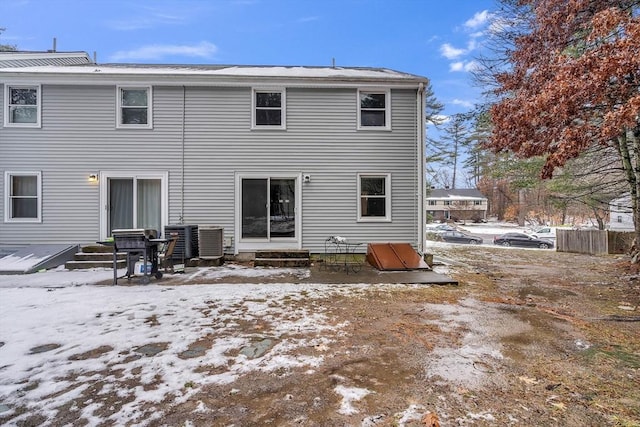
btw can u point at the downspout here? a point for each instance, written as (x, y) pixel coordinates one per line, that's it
(420, 114)
(184, 96)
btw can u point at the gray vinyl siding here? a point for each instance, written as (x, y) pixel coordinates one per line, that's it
(79, 137)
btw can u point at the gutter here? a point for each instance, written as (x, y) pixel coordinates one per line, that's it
(420, 166)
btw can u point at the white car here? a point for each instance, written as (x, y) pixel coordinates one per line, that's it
(544, 233)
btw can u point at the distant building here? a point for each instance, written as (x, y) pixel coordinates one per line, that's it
(621, 214)
(466, 204)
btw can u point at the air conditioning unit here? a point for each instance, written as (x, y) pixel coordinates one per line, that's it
(187, 244)
(210, 241)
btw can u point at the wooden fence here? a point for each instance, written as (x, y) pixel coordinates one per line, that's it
(594, 242)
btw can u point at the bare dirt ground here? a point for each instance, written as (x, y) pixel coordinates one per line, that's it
(528, 338)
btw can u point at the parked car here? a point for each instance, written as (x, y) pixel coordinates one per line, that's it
(440, 228)
(547, 233)
(523, 240)
(458, 237)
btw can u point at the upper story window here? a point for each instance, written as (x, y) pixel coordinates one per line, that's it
(374, 109)
(447, 202)
(619, 219)
(23, 196)
(22, 106)
(269, 110)
(374, 192)
(134, 107)
(477, 202)
(432, 202)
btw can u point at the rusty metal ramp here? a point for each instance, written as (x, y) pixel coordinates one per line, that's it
(395, 256)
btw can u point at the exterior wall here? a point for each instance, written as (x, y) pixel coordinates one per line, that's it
(78, 137)
(620, 214)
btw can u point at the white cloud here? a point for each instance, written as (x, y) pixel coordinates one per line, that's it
(154, 19)
(479, 19)
(463, 66)
(456, 66)
(471, 66)
(500, 25)
(443, 119)
(203, 50)
(308, 19)
(437, 120)
(462, 102)
(451, 52)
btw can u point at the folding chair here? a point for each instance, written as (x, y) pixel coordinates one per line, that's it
(165, 256)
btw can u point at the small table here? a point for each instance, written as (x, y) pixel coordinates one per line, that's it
(341, 253)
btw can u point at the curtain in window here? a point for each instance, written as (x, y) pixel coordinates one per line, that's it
(149, 204)
(120, 203)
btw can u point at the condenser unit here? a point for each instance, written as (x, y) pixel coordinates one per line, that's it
(210, 241)
(187, 244)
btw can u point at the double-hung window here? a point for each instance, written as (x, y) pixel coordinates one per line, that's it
(269, 109)
(23, 196)
(22, 105)
(134, 107)
(374, 194)
(374, 110)
(432, 203)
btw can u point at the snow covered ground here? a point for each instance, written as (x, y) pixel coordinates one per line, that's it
(62, 336)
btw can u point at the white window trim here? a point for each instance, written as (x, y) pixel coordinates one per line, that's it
(283, 108)
(104, 195)
(7, 196)
(387, 109)
(119, 124)
(387, 192)
(38, 122)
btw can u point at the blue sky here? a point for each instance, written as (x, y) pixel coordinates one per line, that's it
(432, 38)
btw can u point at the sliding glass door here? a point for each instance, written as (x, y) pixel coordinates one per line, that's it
(132, 202)
(268, 209)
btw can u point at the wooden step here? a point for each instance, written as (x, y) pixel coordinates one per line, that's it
(282, 258)
(81, 265)
(97, 249)
(282, 262)
(97, 256)
(286, 253)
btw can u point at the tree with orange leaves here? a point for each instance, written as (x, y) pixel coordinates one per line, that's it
(573, 83)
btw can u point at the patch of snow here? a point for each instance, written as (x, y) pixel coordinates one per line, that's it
(57, 278)
(19, 263)
(469, 363)
(350, 394)
(95, 331)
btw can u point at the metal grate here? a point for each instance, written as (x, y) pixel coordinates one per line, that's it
(187, 244)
